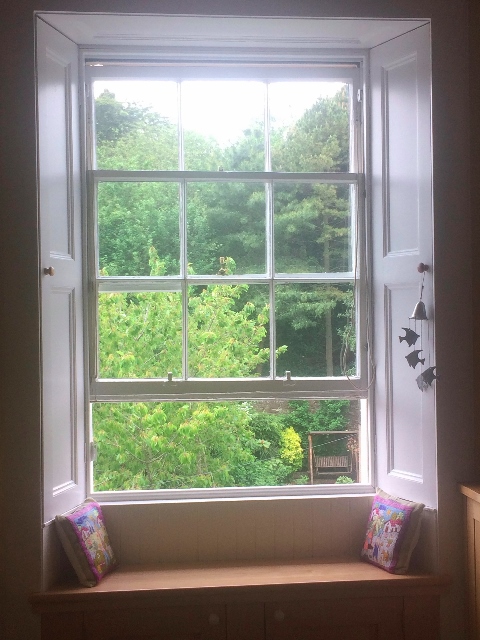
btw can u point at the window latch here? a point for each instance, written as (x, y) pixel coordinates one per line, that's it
(93, 451)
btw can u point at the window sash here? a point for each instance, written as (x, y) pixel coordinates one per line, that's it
(158, 389)
(180, 283)
(211, 389)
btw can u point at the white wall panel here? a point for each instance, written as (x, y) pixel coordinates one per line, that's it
(61, 291)
(400, 157)
(402, 229)
(57, 159)
(404, 402)
(238, 530)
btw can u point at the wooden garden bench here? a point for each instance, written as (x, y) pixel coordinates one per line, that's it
(326, 465)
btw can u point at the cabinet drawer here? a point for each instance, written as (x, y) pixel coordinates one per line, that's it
(246, 621)
(163, 623)
(355, 619)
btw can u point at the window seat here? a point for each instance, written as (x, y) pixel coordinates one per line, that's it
(244, 601)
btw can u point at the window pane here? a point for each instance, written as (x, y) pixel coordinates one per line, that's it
(140, 334)
(136, 124)
(312, 226)
(310, 126)
(169, 445)
(314, 322)
(228, 331)
(226, 220)
(223, 124)
(138, 228)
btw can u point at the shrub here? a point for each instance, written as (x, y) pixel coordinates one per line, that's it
(291, 451)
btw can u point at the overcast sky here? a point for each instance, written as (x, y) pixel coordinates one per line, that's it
(221, 109)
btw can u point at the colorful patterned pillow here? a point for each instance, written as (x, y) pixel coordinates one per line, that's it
(85, 540)
(392, 532)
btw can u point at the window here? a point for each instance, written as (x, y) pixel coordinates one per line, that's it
(226, 212)
(388, 234)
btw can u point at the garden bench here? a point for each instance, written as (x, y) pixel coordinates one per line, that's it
(328, 465)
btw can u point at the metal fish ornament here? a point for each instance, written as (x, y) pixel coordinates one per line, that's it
(426, 378)
(413, 358)
(410, 336)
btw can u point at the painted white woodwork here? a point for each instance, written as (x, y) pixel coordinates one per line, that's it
(61, 286)
(401, 163)
(238, 530)
(180, 31)
(402, 238)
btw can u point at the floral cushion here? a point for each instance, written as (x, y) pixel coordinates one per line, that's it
(85, 540)
(392, 532)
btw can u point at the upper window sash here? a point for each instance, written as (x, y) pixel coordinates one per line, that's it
(157, 389)
(347, 73)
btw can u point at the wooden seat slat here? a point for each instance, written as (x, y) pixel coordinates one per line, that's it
(324, 462)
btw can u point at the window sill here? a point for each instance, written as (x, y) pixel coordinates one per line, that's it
(233, 494)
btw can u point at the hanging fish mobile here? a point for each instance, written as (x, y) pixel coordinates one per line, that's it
(410, 336)
(426, 378)
(413, 358)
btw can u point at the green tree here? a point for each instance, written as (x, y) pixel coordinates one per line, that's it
(312, 224)
(170, 445)
(322, 415)
(135, 216)
(156, 445)
(319, 140)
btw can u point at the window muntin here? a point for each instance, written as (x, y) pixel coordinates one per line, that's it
(264, 277)
(310, 294)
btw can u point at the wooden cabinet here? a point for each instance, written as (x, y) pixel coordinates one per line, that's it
(472, 492)
(262, 601)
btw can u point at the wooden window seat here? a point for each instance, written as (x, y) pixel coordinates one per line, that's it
(294, 600)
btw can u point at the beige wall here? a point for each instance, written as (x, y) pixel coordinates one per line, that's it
(20, 448)
(475, 193)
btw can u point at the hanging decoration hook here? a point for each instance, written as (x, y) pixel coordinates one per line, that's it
(427, 376)
(420, 312)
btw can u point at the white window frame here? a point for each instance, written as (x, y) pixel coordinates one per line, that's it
(331, 65)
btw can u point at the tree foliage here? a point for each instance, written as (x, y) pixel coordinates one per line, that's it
(175, 444)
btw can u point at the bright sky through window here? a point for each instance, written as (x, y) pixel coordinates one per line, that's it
(219, 108)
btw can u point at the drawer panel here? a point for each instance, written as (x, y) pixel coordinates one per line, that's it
(355, 619)
(245, 621)
(164, 623)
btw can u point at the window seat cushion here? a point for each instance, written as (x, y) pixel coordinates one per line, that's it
(392, 532)
(85, 539)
